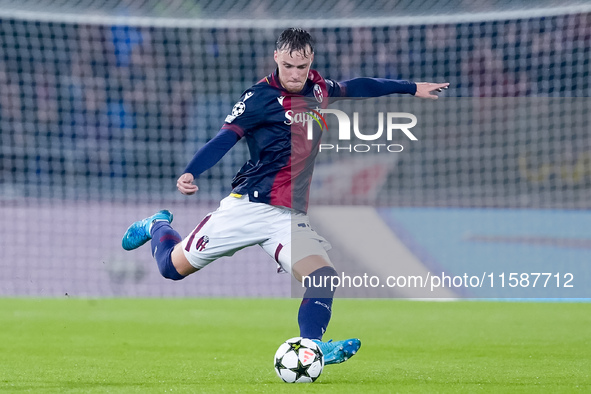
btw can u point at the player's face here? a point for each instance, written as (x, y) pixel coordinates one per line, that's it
(293, 69)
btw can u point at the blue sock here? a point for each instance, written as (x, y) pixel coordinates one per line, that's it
(164, 238)
(316, 307)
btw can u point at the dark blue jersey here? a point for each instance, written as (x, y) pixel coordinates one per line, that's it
(280, 168)
(282, 157)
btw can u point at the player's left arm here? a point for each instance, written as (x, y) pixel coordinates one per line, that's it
(377, 87)
(426, 89)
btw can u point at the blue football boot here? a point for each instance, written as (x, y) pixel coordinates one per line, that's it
(340, 351)
(139, 232)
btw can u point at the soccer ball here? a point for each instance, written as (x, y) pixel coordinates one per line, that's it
(299, 360)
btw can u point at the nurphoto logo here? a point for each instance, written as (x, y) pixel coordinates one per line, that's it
(396, 124)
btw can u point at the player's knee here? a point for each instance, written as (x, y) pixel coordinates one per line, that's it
(167, 269)
(320, 283)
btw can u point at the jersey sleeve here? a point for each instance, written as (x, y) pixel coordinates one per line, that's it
(334, 89)
(375, 87)
(211, 152)
(246, 114)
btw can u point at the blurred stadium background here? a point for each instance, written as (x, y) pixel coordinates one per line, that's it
(103, 103)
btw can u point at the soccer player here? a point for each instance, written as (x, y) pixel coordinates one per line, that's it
(268, 202)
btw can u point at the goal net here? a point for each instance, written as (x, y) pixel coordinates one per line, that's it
(102, 104)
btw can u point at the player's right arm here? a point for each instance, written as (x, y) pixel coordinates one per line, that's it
(246, 115)
(185, 184)
(205, 158)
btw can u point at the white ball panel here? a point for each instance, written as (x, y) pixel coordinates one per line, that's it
(282, 349)
(315, 369)
(287, 375)
(307, 356)
(309, 343)
(304, 379)
(290, 359)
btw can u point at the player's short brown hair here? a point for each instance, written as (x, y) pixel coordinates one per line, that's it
(295, 39)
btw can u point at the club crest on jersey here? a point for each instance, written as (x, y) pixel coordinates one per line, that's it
(202, 243)
(318, 93)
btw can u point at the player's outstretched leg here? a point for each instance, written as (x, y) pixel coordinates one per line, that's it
(315, 313)
(139, 232)
(164, 239)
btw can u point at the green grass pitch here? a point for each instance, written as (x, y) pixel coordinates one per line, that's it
(227, 345)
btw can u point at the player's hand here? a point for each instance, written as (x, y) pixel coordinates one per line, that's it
(424, 89)
(185, 184)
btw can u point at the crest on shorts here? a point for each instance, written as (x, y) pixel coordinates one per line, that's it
(318, 93)
(202, 243)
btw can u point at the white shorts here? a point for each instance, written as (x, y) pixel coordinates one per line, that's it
(286, 236)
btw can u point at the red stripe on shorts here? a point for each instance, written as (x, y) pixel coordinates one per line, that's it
(190, 241)
(277, 251)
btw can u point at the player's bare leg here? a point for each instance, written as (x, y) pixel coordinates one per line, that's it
(316, 308)
(180, 262)
(307, 265)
